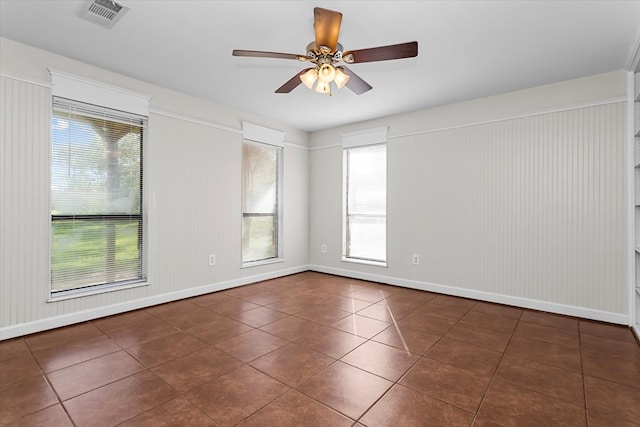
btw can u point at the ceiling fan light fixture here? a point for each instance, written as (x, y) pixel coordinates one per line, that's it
(309, 78)
(323, 87)
(341, 78)
(327, 73)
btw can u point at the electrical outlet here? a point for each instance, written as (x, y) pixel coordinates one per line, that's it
(415, 259)
(212, 260)
(324, 248)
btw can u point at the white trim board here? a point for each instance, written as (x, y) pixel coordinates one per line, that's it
(21, 329)
(568, 310)
(498, 120)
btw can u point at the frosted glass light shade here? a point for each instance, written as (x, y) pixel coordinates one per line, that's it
(327, 73)
(323, 87)
(309, 78)
(341, 78)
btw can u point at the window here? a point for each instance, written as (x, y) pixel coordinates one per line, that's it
(365, 200)
(96, 197)
(261, 201)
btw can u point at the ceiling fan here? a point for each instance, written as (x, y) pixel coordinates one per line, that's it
(325, 52)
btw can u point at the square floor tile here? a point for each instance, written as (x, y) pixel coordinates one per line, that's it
(94, 373)
(550, 319)
(447, 383)
(294, 304)
(556, 355)
(323, 314)
(17, 369)
(476, 360)
(331, 342)
(510, 405)
(606, 330)
(262, 297)
(54, 358)
(149, 330)
(385, 313)
(404, 407)
(348, 304)
(292, 363)
(291, 328)
(251, 345)
(12, 348)
(406, 339)
(381, 359)
(221, 329)
(231, 398)
(296, 409)
(623, 371)
(348, 390)
(194, 317)
(137, 318)
(61, 336)
(498, 310)
(259, 316)
(548, 334)
(600, 418)
(171, 309)
(52, 416)
(545, 379)
(610, 347)
(23, 398)
(361, 326)
(451, 301)
(162, 350)
(209, 300)
(425, 322)
(177, 412)
(195, 369)
(233, 306)
(614, 400)
(499, 324)
(453, 313)
(119, 401)
(480, 336)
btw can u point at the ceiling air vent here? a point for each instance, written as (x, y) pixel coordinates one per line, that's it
(103, 12)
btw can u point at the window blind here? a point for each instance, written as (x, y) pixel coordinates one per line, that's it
(96, 196)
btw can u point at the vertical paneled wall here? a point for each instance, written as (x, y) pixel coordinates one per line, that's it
(525, 208)
(530, 207)
(24, 207)
(192, 195)
(193, 202)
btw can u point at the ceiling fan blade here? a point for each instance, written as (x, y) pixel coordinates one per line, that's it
(355, 83)
(261, 54)
(326, 24)
(382, 53)
(292, 83)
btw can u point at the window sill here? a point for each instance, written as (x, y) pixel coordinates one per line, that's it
(79, 293)
(263, 262)
(365, 262)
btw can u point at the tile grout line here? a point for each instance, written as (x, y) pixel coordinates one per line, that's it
(493, 376)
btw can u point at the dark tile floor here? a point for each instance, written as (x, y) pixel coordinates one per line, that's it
(319, 350)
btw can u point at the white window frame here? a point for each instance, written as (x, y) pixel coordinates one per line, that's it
(354, 140)
(256, 134)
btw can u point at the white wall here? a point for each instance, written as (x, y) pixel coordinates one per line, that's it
(517, 198)
(192, 186)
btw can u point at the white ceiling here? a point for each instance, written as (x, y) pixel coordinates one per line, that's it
(467, 49)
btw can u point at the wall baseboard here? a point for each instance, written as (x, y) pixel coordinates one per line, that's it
(21, 329)
(568, 310)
